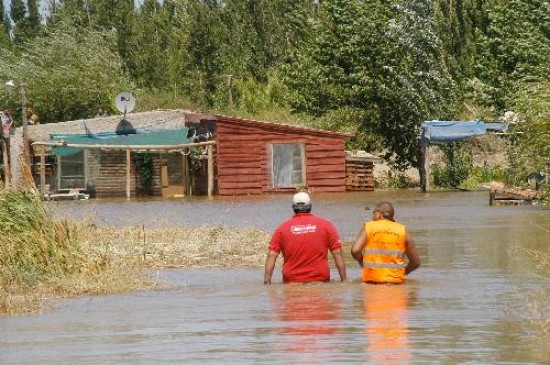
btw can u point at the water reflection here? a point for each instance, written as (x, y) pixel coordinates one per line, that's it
(310, 315)
(386, 316)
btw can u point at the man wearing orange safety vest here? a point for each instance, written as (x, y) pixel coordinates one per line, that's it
(381, 246)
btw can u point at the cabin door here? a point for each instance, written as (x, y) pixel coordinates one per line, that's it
(173, 175)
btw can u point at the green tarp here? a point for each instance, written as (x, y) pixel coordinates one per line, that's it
(166, 137)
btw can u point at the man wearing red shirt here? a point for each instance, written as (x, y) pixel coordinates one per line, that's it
(305, 240)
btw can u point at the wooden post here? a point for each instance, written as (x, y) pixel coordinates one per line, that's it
(210, 171)
(425, 167)
(26, 146)
(128, 173)
(188, 175)
(43, 170)
(184, 171)
(492, 197)
(426, 155)
(6, 162)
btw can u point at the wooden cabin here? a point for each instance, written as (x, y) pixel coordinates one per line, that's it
(254, 157)
(219, 155)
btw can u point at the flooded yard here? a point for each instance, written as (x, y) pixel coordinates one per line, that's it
(473, 301)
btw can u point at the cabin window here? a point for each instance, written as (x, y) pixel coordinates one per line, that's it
(288, 165)
(72, 171)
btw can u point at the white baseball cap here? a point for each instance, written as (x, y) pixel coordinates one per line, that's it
(301, 198)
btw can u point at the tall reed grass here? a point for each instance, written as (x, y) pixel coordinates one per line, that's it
(34, 246)
(43, 257)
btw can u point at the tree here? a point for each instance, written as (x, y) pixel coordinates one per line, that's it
(382, 59)
(5, 26)
(531, 152)
(33, 18)
(515, 47)
(30, 26)
(151, 38)
(17, 13)
(73, 12)
(197, 51)
(68, 73)
(103, 15)
(458, 22)
(418, 86)
(261, 32)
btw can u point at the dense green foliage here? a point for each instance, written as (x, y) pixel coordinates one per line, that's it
(531, 152)
(458, 169)
(375, 68)
(383, 61)
(144, 165)
(67, 74)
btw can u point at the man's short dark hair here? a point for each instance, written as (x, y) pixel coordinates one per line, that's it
(301, 208)
(386, 209)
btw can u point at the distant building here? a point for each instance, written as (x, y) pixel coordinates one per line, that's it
(190, 153)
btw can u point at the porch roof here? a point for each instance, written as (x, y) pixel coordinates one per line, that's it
(68, 144)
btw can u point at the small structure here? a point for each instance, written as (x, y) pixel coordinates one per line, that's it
(360, 171)
(502, 195)
(436, 131)
(193, 155)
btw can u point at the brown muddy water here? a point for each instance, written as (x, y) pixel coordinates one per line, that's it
(473, 301)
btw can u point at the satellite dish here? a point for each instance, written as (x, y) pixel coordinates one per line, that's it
(125, 102)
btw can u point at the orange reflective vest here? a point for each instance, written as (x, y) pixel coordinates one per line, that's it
(384, 252)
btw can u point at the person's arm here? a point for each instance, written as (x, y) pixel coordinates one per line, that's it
(412, 255)
(270, 260)
(357, 248)
(338, 257)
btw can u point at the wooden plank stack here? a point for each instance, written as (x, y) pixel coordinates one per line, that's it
(359, 173)
(502, 195)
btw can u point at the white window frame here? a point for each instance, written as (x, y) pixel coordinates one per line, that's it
(276, 183)
(60, 176)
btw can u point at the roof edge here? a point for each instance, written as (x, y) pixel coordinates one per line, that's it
(287, 127)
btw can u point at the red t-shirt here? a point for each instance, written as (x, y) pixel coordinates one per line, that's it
(305, 240)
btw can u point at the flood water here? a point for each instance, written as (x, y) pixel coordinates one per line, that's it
(471, 302)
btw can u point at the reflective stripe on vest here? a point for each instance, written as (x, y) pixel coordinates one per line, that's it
(386, 266)
(374, 251)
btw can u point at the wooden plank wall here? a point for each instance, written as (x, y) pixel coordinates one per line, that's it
(106, 171)
(111, 178)
(359, 175)
(243, 159)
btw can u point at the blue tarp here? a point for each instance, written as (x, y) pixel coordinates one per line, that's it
(450, 131)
